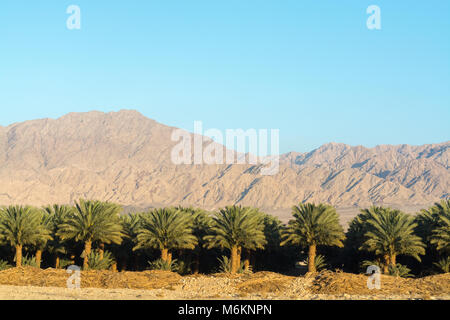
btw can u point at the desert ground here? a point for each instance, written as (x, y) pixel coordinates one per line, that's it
(35, 284)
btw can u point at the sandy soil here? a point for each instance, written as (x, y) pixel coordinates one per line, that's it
(53, 293)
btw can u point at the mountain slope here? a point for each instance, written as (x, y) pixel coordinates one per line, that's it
(125, 157)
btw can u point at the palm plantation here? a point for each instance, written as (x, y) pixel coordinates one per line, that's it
(196, 237)
(234, 228)
(312, 226)
(92, 221)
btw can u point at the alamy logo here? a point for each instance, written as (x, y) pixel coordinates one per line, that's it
(374, 280)
(374, 20)
(199, 148)
(74, 281)
(74, 20)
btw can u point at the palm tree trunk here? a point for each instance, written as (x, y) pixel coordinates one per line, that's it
(386, 264)
(247, 260)
(312, 258)
(57, 262)
(101, 250)
(164, 254)
(393, 260)
(169, 258)
(18, 255)
(238, 259)
(38, 258)
(87, 252)
(197, 263)
(234, 257)
(114, 267)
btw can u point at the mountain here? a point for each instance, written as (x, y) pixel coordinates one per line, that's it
(126, 158)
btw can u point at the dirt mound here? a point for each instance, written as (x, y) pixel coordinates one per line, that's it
(264, 282)
(326, 284)
(356, 284)
(28, 276)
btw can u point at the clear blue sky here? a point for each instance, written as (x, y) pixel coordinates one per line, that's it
(309, 68)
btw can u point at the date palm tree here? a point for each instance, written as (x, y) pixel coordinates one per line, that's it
(131, 225)
(58, 215)
(165, 229)
(201, 223)
(252, 246)
(273, 255)
(92, 221)
(20, 226)
(234, 228)
(390, 233)
(312, 226)
(44, 230)
(441, 234)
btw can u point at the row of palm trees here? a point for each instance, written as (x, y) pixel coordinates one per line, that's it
(381, 233)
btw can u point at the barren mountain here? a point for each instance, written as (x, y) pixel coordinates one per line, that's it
(126, 158)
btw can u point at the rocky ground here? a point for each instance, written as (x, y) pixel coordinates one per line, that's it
(50, 284)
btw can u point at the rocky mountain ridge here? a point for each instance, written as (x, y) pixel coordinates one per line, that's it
(126, 158)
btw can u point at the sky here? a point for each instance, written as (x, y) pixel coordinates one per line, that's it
(311, 69)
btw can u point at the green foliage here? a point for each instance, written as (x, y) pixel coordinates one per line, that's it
(319, 262)
(225, 266)
(124, 252)
(389, 233)
(45, 230)
(96, 262)
(4, 265)
(433, 226)
(166, 228)
(355, 237)
(63, 263)
(183, 267)
(367, 263)
(400, 271)
(441, 234)
(93, 221)
(235, 226)
(376, 237)
(272, 231)
(130, 225)
(164, 265)
(201, 223)
(443, 265)
(58, 215)
(356, 233)
(22, 226)
(29, 261)
(314, 225)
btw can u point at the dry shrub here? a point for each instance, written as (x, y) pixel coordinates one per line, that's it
(264, 282)
(345, 283)
(29, 276)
